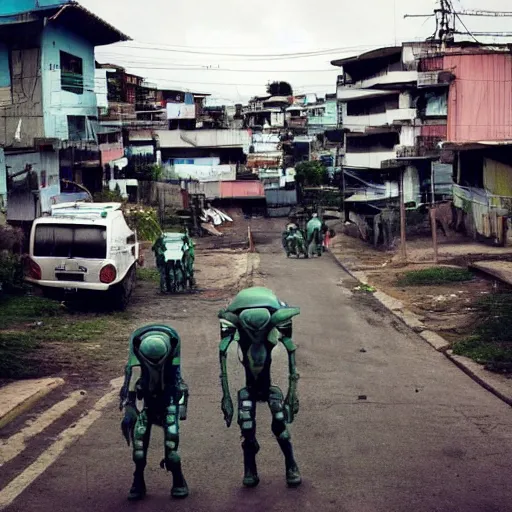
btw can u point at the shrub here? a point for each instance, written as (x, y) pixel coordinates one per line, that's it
(11, 272)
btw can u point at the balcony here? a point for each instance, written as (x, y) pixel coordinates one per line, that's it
(388, 118)
(426, 146)
(368, 160)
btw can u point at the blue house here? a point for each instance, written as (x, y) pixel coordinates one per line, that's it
(48, 109)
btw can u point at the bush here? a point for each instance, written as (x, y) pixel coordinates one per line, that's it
(144, 221)
(11, 272)
(109, 196)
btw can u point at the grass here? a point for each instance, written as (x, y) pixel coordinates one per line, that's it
(148, 274)
(435, 276)
(491, 341)
(29, 323)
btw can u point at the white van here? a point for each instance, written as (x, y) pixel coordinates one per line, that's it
(84, 246)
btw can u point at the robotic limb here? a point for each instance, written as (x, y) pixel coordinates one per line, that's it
(250, 446)
(172, 460)
(140, 438)
(276, 404)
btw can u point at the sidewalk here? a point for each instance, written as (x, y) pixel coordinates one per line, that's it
(438, 314)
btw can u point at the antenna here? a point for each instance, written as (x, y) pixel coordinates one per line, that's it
(445, 21)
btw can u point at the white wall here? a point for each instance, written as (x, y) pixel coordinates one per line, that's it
(370, 160)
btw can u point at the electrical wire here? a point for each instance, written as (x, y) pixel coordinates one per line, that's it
(252, 57)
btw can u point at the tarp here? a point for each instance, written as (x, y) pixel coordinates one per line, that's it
(279, 197)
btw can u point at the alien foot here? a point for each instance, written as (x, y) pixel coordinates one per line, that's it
(293, 478)
(137, 491)
(180, 492)
(251, 480)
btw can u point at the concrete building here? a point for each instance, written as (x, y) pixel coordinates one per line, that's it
(48, 106)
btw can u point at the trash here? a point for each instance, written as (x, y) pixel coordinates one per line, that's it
(362, 397)
(362, 350)
(365, 288)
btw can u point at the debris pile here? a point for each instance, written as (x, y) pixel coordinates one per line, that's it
(212, 217)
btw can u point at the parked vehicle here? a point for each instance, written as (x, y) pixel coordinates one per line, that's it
(84, 247)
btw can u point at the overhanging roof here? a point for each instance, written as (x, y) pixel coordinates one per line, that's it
(88, 25)
(347, 94)
(481, 144)
(379, 53)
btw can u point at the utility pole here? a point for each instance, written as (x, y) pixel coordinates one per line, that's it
(403, 249)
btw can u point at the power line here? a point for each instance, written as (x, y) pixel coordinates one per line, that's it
(277, 56)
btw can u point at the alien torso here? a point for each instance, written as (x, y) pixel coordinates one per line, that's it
(253, 313)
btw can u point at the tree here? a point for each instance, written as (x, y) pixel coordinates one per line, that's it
(312, 173)
(280, 89)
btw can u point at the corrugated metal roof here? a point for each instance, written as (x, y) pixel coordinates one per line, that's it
(141, 135)
(372, 54)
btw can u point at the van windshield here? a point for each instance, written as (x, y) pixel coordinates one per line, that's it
(70, 241)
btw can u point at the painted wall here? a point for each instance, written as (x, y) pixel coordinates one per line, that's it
(329, 117)
(480, 98)
(5, 76)
(21, 112)
(9, 7)
(58, 104)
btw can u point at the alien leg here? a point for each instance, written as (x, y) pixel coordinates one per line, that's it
(250, 446)
(172, 460)
(276, 404)
(140, 441)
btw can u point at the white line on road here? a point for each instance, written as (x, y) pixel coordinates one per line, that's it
(15, 444)
(9, 493)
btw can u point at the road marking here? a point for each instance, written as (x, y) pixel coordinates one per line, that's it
(15, 444)
(10, 492)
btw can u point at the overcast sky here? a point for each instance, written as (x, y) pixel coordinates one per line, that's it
(267, 29)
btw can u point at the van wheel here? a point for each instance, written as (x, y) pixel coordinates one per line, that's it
(121, 293)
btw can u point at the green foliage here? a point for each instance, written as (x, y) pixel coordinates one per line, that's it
(148, 172)
(280, 89)
(11, 272)
(434, 276)
(312, 173)
(109, 196)
(144, 221)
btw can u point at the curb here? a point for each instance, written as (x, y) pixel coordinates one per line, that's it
(19, 397)
(495, 384)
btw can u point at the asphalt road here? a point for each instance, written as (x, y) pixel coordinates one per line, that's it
(386, 423)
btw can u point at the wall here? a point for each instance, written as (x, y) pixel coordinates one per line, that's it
(9, 7)
(241, 189)
(370, 160)
(329, 117)
(480, 99)
(206, 172)
(22, 100)
(58, 104)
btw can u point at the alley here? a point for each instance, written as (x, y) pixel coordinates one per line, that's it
(386, 423)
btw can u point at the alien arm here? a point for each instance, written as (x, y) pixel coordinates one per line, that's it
(293, 375)
(128, 395)
(227, 336)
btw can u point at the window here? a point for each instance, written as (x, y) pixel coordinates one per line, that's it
(71, 73)
(77, 128)
(71, 241)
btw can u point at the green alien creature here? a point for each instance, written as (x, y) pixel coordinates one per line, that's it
(293, 241)
(258, 320)
(314, 235)
(175, 256)
(153, 376)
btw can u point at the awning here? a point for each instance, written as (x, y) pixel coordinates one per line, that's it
(347, 94)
